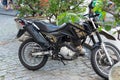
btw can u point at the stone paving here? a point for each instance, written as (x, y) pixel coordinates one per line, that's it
(115, 72)
(12, 69)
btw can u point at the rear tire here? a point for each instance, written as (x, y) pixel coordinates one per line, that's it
(102, 61)
(25, 59)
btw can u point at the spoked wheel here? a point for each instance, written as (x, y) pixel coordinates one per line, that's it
(100, 62)
(27, 59)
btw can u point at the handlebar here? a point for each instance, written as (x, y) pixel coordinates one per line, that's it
(91, 15)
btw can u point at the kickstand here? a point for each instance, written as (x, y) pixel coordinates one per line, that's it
(61, 61)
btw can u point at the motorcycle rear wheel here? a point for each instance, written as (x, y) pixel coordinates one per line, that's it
(100, 62)
(28, 61)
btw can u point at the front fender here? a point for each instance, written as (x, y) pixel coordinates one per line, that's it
(107, 35)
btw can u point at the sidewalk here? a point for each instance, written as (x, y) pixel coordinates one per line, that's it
(8, 12)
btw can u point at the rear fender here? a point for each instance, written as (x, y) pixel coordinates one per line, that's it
(20, 32)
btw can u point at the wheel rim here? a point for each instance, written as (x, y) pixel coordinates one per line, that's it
(102, 63)
(27, 51)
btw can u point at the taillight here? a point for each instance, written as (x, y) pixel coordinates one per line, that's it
(22, 23)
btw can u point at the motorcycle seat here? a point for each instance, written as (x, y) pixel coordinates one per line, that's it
(48, 27)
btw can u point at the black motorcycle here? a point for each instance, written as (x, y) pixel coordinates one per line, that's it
(47, 40)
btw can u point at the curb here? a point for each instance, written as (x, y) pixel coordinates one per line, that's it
(8, 12)
(115, 72)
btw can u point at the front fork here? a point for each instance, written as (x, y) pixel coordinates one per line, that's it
(102, 46)
(106, 53)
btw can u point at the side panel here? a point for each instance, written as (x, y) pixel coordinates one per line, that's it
(64, 32)
(37, 35)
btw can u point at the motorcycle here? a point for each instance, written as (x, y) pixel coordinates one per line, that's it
(47, 40)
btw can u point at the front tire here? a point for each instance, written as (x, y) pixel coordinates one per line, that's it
(28, 61)
(100, 62)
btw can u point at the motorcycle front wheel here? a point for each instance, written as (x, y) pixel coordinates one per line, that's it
(100, 62)
(27, 59)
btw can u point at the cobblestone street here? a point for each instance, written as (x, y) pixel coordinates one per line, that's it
(12, 69)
